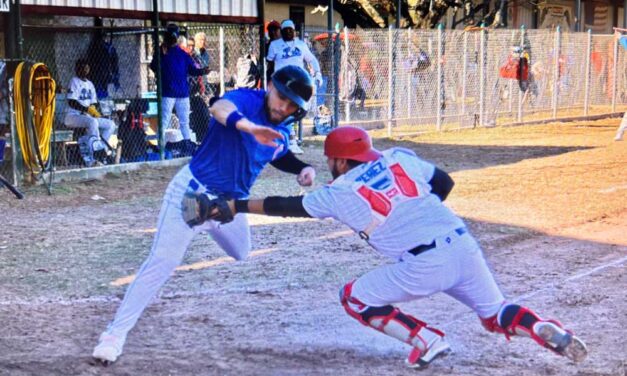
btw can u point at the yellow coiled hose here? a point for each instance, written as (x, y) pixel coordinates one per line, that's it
(34, 98)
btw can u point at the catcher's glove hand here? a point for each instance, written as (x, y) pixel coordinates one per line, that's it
(198, 208)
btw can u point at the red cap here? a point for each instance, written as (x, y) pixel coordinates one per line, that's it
(350, 143)
(273, 25)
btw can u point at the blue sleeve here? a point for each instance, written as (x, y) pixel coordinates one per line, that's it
(248, 102)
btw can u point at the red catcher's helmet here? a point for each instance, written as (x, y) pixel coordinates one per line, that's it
(350, 143)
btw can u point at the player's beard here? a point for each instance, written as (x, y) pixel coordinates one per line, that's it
(335, 172)
(275, 117)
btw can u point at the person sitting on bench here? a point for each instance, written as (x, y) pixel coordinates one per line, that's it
(83, 112)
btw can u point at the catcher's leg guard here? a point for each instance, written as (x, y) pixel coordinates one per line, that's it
(513, 319)
(428, 342)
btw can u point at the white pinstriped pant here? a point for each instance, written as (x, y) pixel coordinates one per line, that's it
(168, 248)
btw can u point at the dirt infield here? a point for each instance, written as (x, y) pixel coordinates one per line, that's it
(547, 203)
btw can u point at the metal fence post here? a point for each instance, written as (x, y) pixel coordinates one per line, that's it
(520, 93)
(482, 61)
(586, 91)
(409, 87)
(17, 160)
(336, 78)
(615, 75)
(556, 71)
(440, 78)
(158, 75)
(464, 73)
(390, 93)
(221, 61)
(510, 83)
(18, 22)
(348, 71)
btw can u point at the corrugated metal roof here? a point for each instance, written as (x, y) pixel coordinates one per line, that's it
(235, 8)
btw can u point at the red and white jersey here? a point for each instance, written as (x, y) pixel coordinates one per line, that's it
(82, 91)
(388, 202)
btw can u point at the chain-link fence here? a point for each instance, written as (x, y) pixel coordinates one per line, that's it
(448, 79)
(439, 79)
(125, 124)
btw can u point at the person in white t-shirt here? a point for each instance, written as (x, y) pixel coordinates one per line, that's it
(83, 112)
(394, 200)
(290, 50)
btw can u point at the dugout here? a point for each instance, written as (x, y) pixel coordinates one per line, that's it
(60, 32)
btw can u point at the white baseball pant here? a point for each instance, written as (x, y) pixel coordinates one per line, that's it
(94, 126)
(169, 246)
(456, 267)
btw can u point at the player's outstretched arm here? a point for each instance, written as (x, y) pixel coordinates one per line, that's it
(274, 206)
(226, 113)
(198, 208)
(290, 164)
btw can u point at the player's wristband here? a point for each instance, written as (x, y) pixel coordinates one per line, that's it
(233, 118)
(241, 206)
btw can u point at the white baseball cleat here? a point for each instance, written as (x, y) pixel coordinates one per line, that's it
(561, 341)
(109, 348)
(437, 348)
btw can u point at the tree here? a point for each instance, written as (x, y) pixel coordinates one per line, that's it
(423, 14)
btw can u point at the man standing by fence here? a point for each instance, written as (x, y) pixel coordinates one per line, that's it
(176, 65)
(289, 50)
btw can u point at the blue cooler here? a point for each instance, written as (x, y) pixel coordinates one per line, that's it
(3, 143)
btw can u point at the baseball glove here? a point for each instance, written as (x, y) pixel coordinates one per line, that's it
(93, 111)
(198, 208)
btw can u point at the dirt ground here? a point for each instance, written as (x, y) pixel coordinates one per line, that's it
(547, 203)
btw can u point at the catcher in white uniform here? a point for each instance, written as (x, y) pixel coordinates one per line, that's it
(393, 200)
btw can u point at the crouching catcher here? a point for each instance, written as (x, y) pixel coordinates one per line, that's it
(394, 201)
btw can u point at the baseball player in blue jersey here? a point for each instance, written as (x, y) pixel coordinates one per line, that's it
(393, 200)
(249, 129)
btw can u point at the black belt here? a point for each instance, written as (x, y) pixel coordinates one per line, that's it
(422, 248)
(425, 247)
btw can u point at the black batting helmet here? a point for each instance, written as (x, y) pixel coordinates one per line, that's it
(295, 83)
